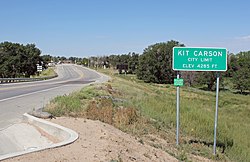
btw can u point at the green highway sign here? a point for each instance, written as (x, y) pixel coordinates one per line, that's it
(199, 59)
(178, 82)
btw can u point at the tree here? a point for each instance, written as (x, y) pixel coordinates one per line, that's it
(113, 60)
(85, 62)
(207, 78)
(241, 77)
(18, 60)
(46, 59)
(155, 64)
(189, 77)
(133, 62)
(33, 58)
(232, 65)
(130, 61)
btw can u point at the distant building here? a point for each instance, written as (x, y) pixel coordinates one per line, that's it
(122, 67)
(67, 62)
(51, 64)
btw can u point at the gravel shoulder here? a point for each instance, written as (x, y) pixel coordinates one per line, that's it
(97, 142)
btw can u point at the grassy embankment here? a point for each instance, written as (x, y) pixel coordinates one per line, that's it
(46, 73)
(148, 111)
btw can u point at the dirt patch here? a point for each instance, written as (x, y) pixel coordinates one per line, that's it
(97, 142)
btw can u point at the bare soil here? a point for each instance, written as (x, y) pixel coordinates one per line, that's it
(97, 142)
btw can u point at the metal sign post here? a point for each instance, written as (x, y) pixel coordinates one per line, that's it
(177, 110)
(198, 59)
(216, 110)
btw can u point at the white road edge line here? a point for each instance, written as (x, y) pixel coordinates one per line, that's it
(27, 94)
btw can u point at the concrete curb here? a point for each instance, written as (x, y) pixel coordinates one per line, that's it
(65, 135)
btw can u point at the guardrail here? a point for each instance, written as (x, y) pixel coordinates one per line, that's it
(15, 80)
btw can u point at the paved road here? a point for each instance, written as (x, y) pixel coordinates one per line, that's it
(19, 98)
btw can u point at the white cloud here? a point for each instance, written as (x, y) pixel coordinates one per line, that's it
(247, 37)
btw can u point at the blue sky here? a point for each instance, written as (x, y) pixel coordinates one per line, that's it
(103, 27)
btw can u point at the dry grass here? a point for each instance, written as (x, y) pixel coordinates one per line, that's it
(105, 111)
(125, 116)
(102, 110)
(149, 111)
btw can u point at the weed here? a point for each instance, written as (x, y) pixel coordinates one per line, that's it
(151, 109)
(182, 156)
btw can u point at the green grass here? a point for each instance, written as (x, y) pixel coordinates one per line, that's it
(74, 104)
(157, 103)
(196, 114)
(46, 73)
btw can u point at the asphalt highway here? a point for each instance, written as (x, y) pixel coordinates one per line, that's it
(19, 98)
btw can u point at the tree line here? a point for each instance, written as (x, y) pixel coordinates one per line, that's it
(153, 65)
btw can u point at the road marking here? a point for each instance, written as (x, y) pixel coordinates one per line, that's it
(27, 94)
(60, 82)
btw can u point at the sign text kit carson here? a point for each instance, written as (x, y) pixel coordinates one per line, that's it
(199, 59)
